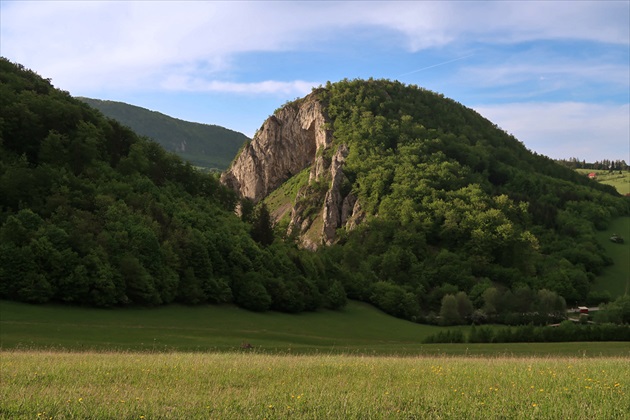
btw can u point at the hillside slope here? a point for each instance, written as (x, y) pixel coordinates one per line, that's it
(411, 202)
(208, 146)
(92, 214)
(420, 198)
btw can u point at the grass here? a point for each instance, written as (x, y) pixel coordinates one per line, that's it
(359, 329)
(41, 384)
(616, 278)
(281, 200)
(621, 181)
(187, 362)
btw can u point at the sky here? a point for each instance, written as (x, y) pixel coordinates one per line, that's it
(555, 74)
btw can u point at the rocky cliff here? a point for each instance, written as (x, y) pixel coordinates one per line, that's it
(285, 144)
(294, 138)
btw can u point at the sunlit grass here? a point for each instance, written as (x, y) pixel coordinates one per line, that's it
(249, 385)
(621, 181)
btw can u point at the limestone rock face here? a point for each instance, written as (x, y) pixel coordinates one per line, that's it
(293, 139)
(333, 201)
(285, 144)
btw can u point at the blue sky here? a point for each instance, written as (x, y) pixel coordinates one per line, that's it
(556, 74)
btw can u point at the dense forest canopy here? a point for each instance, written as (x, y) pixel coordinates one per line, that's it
(92, 214)
(463, 221)
(460, 213)
(203, 145)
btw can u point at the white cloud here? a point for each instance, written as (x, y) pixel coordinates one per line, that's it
(568, 129)
(194, 46)
(188, 84)
(429, 24)
(118, 45)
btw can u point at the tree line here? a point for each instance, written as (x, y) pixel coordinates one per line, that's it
(93, 214)
(604, 164)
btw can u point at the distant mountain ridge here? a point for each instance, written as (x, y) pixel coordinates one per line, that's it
(209, 146)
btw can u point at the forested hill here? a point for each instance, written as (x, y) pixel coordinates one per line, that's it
(454, 204)
(457, 217)
(92, 214)
(433, 206)
(208, 146)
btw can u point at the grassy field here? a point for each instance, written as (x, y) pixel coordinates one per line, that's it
(359, 329)
(620, 181)
(40, 384)
(616, 278)
(187, 362)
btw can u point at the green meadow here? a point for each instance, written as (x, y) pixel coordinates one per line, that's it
(621, 181)
(62, 385)
(62, 362)
(59, 362)
(359, 329)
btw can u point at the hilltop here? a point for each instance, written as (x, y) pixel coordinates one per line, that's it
(93, 214)
(419, 199)
(366, 189)
(204, 145)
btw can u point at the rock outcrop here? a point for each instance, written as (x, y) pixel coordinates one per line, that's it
(285, 144)
(294, 138)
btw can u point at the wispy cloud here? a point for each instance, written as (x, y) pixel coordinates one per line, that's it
(131, 43)
(435, 65)
(570, 60)
(296, 87)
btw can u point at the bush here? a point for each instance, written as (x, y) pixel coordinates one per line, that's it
(251, 294)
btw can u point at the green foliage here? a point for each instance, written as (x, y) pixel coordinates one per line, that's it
(262, 228)
(92, 214)
(250, 293)
(449, 313)
(207, 146)
(456, 211)
(394, 300)
(452, 199)
(446, 336)
(617, 311)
